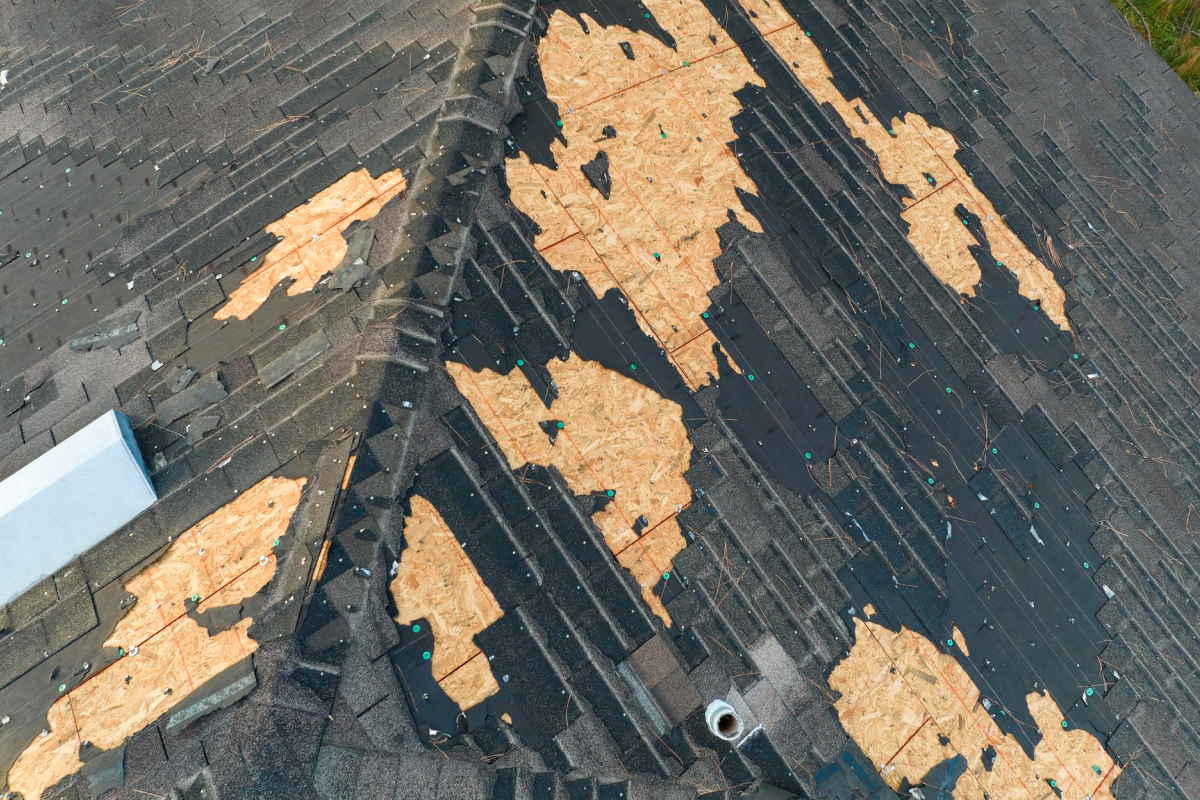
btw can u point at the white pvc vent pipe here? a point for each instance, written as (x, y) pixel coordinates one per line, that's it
(723, 721)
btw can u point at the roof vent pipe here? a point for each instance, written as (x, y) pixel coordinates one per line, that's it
(723, 721)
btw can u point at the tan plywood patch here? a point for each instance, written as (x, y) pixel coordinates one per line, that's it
(529, 193)
(438, 583)
(618, 435)
(312, 242)
(49, 758)
(696, 362)
(471, 683)
(908, 151)
(167, 654)
(673, 177)
(900, 693)
(943, 239)
(960, 640)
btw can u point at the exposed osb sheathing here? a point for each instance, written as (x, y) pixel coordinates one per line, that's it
(673, 177)
(906, 149)
(901, 697)
(312, 243)
(220, 561)
(617, 435)
(438, 583)
(960, 641)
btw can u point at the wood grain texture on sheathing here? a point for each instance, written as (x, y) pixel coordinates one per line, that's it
(437, 582)
(674, 179)
(312, 244)
(907, 149)
(911, 707)
(218, 562)
(617, 435)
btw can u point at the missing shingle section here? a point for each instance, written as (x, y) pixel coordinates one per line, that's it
(903, 700)
(160, 653)
(311, 243)
(436, 581)
(650, 230)
(920, 158)
(623, 440)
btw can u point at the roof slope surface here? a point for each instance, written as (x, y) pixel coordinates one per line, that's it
(831, 359)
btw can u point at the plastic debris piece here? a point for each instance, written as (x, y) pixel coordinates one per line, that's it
(596, 172)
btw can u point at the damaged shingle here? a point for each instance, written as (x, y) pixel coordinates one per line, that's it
(181, 378)
(353, 268)
(115, 334)
(200, 426)
(204, 393)
(293, 359)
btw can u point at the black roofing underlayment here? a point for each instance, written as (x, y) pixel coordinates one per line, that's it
(144, 147)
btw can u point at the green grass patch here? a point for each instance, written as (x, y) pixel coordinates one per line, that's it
(1169, 26)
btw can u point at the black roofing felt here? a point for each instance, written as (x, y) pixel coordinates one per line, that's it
(143, 150)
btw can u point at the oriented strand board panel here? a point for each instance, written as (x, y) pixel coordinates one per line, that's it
(472, 683)
(437, 582)
(901, 697)
(674, 179)
(312, 242)
(617, 435)
(223, 559)
(907, 150)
